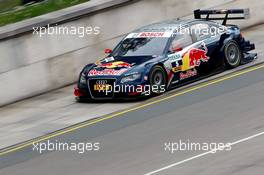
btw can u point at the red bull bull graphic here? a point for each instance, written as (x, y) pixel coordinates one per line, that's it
(193, 58)
(196, 56)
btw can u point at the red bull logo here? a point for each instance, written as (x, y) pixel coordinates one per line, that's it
(196, 56)
(193, 58)
(94, 72)
(117, 64)
(188, 74)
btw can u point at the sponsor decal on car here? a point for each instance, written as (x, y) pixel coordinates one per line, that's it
(193, 57)
(95, 72)
(151, 34)
(176, 62)
(186, 60)
(196, 56)
(117, 64)
(165, 34)
(188, 74)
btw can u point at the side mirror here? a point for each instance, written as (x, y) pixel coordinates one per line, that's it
(108, 51)
(177, 49)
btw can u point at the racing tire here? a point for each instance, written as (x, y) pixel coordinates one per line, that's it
(81, 99)
(157, 80)
(85, 99)
(232, 55)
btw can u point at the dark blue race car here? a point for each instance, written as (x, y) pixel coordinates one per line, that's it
(161, 56)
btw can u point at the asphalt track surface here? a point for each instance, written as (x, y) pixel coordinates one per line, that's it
(228, 109)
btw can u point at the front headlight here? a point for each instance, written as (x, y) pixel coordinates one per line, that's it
(131, 77)
(83, 79)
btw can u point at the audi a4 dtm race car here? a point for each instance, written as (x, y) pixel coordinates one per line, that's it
(160, 56)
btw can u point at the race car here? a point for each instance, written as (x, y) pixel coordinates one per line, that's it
(161, 56)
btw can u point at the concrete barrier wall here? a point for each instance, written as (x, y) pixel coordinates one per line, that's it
(30, 65)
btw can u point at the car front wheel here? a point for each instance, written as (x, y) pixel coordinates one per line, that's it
(157, 78)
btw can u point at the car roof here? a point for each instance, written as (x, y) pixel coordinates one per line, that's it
(169, 25)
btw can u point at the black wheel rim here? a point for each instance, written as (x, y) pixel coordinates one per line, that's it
(232, 54)
(157, 78)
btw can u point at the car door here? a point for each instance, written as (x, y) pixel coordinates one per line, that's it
(177, 63)
(191, 50)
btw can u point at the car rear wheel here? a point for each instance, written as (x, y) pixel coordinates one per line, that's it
(232, 55)
(157, 78)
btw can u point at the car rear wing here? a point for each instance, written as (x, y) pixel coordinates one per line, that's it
(236, 14)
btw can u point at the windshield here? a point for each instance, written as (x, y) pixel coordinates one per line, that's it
(141, 47)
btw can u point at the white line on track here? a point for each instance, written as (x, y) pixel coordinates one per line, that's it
(204, 154)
